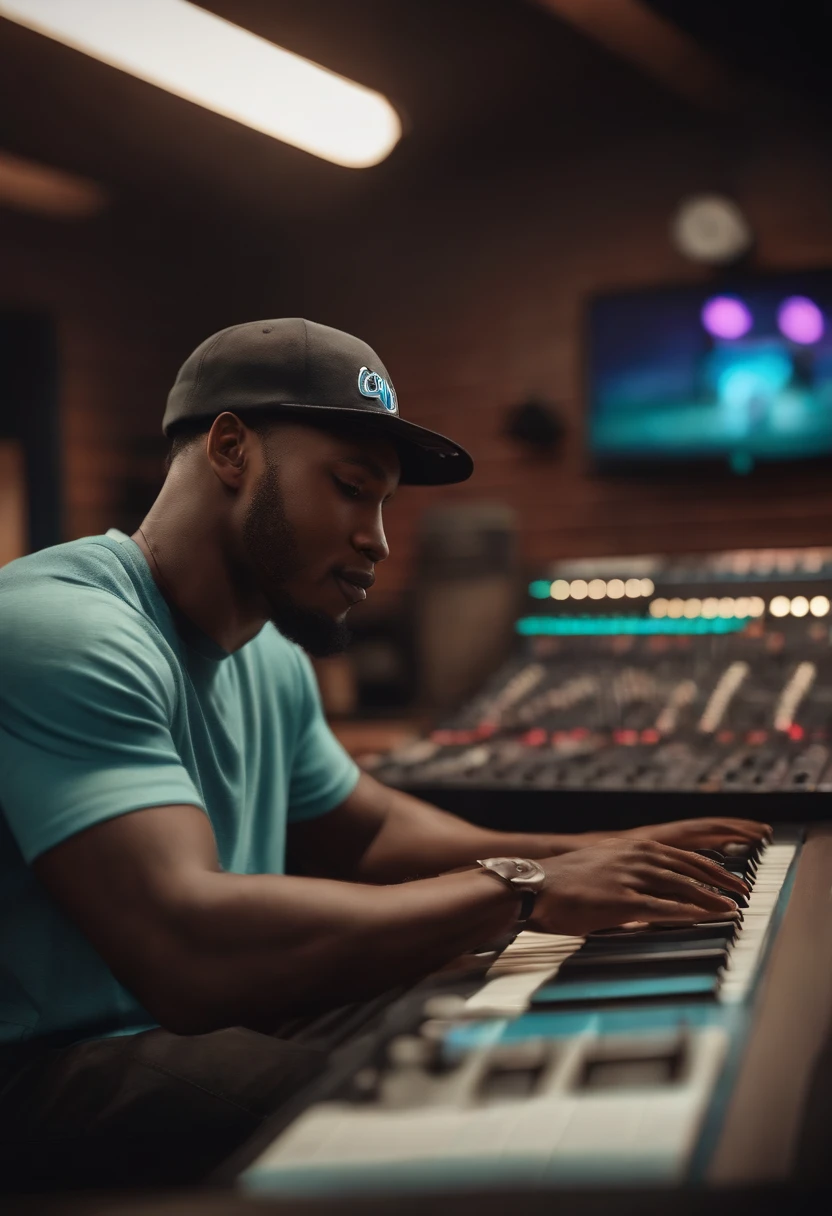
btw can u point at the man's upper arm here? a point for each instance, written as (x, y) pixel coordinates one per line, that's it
(86, 701)
(128, 884)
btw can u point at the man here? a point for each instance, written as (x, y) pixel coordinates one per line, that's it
(162, 979)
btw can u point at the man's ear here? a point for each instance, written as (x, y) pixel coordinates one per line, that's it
(230, 447)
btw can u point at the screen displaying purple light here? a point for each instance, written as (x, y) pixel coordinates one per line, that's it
(726, 317)
(800, 319)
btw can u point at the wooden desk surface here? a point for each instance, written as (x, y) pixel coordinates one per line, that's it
(370, 736)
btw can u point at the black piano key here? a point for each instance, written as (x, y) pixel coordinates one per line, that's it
(643, 972)
(637, 964)
(744, 866)
(739, 899)
(711, 855)
(648, 946)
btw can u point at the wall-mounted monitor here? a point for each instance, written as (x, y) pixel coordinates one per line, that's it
(739, 372)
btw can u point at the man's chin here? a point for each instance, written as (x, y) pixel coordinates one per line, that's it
(320, 635)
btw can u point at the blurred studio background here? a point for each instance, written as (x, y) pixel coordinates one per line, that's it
(590, 245)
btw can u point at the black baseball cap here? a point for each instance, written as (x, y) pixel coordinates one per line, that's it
(300, 368)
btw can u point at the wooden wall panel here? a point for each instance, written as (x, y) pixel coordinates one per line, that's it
(130, 300)
(12, 501)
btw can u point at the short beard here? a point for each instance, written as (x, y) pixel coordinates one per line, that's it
(272, 553)
(317, 633)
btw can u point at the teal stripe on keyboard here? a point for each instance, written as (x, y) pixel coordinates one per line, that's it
(617, 990)
(544, 1023)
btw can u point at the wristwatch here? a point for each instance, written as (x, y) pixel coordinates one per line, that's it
(523, 875)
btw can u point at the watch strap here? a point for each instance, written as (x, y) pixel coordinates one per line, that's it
(527, 902)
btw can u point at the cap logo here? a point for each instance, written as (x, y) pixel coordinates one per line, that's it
(371, 384)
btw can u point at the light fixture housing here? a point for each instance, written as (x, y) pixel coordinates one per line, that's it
(207, 60)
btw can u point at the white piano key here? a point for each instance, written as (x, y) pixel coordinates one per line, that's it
(539, 1127)
(602, 1125)
(532, 960)
(746, 952)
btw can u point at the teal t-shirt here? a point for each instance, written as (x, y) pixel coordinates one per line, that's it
(107, 707)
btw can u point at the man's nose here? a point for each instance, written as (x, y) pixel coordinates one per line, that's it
(372, 542)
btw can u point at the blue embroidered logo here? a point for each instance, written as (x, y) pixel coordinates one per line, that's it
(371, 384)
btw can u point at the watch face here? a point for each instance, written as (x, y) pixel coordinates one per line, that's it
(711, 228)
(520, 871)
(524, 868)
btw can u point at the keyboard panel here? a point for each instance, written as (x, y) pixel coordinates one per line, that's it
(576, 1061)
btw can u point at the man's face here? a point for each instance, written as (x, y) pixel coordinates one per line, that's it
(313, 530)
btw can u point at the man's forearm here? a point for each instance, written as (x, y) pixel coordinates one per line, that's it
(417, 840)
(250, 948)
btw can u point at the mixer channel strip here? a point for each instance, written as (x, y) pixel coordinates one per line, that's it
(710, 960)
(721, 717)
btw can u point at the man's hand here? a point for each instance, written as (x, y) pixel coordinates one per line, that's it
(702, 833)
(684, 834)
(619, 881)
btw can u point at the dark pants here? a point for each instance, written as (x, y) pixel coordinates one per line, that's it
(154, 1109)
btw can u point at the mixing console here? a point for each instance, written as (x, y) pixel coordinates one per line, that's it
(689, 691)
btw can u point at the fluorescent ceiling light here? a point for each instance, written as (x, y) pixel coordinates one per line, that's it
(31, 187)
(207, 60)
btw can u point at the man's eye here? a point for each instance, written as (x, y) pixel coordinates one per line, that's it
(347, 489)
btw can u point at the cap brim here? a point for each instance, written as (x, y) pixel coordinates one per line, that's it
(427, 458)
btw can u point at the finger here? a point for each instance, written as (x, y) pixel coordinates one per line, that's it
(700, 868)
(689, 861)
(653, 910)
(727, 880)
(718, 841)
(746, 829)
(735, 849)
(739, 829)
(711, 823)
(657, 879)
(687, 890)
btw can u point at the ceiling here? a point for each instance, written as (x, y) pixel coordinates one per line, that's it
(784, 41)
(482, 86)
(478, 83)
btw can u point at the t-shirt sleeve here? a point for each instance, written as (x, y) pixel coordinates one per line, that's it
(86, 702)
(323, 775)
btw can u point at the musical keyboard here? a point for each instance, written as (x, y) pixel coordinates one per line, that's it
(727, 953)
(621, 1058)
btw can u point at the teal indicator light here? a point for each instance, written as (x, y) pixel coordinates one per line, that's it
(612, 626)
(539, 589)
